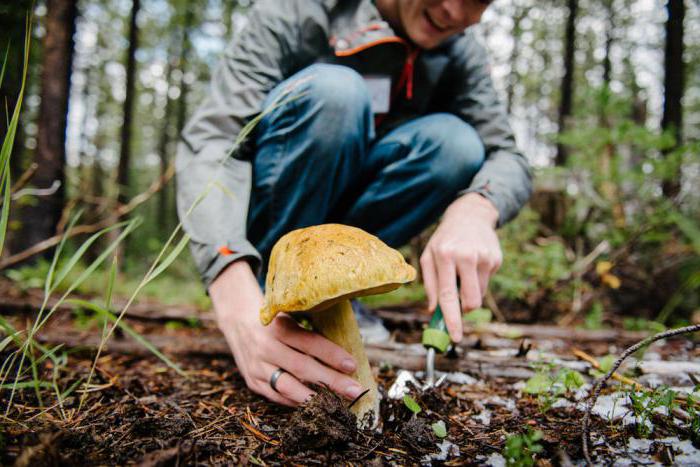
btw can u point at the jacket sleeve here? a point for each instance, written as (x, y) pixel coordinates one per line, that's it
(505, 178)
(213, 180)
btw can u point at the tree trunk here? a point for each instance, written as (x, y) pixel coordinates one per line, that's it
(39, 220)
(609, 37)
(125, 150)
(672, 119)
(567, 83)
(163, 148)
(518, 16)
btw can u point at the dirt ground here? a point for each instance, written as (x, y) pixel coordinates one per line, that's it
(138, 411)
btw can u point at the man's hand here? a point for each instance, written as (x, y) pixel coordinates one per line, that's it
(464, 246)
(260, 350)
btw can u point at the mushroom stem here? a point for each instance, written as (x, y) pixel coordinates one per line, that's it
(338, 324)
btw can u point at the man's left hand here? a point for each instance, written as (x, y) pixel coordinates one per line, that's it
(464, 246)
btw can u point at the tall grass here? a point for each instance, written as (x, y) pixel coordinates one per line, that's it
(23, 364)
(9, 139)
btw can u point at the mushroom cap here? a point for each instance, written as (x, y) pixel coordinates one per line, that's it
(315, 267)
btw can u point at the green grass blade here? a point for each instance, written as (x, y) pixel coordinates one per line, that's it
(131, 225)
(128, 330)
(82, 250)
(70, 390)
(110, 284)
(9, 140)
(172, 256)
(5, 210)
(10, 331)
(4, 63)
(57, 254)
(5, 342)
(26, 385)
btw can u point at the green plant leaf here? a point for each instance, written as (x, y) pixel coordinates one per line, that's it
(540, 383)
(440, 429)
(571, 379)
(606, 363)
(411, 403)
(478, 317)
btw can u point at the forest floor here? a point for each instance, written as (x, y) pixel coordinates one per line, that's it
(140, 411)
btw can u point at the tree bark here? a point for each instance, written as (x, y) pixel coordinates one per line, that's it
(39, 220)
(567, 82)
(674, 68)
(125, 150)
(164, 147)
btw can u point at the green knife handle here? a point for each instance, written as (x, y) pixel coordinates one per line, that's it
(435, 335)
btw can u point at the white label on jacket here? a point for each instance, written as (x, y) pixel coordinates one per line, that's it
(379, 92)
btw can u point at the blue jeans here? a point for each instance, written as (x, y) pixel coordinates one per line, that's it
(317, 161)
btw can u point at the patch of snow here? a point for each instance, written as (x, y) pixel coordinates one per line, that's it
(669, 367)
(447, 449)
(520, 385)
(495, 460)
(484, 417)
(459, 378)
(637, 451)
(509, 404)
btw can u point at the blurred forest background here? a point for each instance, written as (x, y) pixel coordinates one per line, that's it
(604, 97)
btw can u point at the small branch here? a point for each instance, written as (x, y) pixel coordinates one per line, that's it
(120, 211)
(37, 191)
(24, 178)
(598, 386)
(617, 376)
(493, 306)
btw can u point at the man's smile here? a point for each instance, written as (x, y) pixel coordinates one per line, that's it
(434, 23)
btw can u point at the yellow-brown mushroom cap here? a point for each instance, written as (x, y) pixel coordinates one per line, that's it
(315, 267)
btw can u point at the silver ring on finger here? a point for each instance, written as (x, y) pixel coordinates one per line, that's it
(276, 376)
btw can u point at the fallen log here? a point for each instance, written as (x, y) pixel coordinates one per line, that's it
(143, 310)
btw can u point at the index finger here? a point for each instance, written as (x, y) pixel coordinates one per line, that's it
(448, 297)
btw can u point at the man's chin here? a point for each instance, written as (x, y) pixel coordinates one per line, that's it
(427, 43)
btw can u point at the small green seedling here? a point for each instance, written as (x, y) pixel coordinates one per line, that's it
(644, 403)
(550, 386)
(520, 450)
(440, 429)
(478, 317)
(605, 364)
(412, 405)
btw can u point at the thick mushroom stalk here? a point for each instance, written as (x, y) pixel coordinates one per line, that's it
(338, 324)
(318, 270)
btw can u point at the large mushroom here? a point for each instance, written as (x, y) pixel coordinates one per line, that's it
(317, 270)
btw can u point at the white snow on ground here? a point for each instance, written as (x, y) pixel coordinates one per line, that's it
(638, 452)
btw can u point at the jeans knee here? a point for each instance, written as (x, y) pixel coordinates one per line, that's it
(338, 88)
(331, 101)
(460, 153)
(330, 89)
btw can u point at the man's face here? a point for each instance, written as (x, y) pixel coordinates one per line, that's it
(429, 22)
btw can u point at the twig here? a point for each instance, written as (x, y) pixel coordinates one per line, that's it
(590, 359)
(120, 211)
(24, 178)
(598, 386)
(493, 306)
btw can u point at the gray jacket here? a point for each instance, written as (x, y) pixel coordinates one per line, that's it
(281, 38)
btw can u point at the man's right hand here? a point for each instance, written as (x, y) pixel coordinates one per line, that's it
(260, 350)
